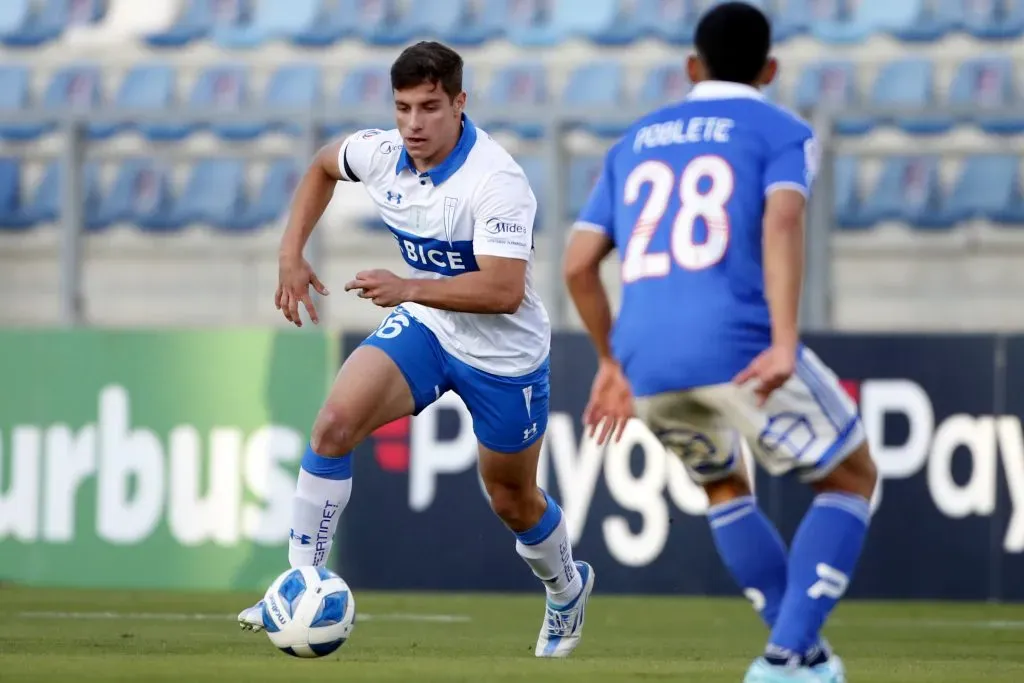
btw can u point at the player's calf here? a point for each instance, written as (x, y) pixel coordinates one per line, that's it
(824, 554)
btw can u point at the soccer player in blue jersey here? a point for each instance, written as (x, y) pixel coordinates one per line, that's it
(704, 201)
(466, 318)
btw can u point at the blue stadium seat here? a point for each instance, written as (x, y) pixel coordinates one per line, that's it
(14, 15)
(366, 86)
(198, 18)
(51, 18)
(673, 21)
(592, 19)
(617, 23)
(988, 186)
(531, 23)
(929, 20)
(75, 88)
(843, 21)
(583, 174)
(296, 87)
(477, 21)
(987, 83)
(379, 22)
(214, 194)
(908, 190)
(600, 85)
(12, 214)
(45, 206)
(663, 84)
(141, 194)
(798, 17)
(536, 171)
(270, 20)
(847, 208)
(272, 198)
(144, 87)
(832, 85)
(14, 96)
(909, 83)
(222, 88)
(994, 19)
(333, 23)
(518, 85)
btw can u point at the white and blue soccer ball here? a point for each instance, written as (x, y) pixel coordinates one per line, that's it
(309, 612)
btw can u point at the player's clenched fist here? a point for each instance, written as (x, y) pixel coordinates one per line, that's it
(772, 368)
(294, 276)
(382, 287)
(611, 402)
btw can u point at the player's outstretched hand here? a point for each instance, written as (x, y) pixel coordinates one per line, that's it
(382, 287)
(294, 277)
(771, 368)
(611, 403)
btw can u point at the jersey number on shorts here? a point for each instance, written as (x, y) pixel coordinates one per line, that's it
(638, 263)
(393, 326)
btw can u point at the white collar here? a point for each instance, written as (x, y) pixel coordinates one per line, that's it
(723, 90)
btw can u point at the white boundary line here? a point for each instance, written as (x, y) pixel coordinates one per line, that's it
(172, 616)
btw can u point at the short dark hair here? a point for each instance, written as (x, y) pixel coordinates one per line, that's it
(428, 62)
(733, 40)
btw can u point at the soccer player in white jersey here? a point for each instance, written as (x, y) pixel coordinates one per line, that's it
(467, 320)
(704, 200)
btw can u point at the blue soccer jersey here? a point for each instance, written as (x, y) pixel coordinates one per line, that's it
(682, 196)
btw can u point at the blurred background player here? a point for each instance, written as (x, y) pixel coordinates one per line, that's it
(468, 320)
(705, 200)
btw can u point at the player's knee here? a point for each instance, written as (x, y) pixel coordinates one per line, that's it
(519, 507)
(334, 433)
(857, 474)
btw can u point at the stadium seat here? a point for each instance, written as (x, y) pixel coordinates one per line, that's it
(332, 24)
(14, 16)
(518, 85)
(536, 171)
(270, 20)
(45, 206)
(597, 86)
(621, 24)
(841, 21)
(673, 21)
(994, 19)
(141, 195)
(12, 214)
(663, 84)
(14, 96)
(909, 84)
(272, 197)
(74, 88)
(583, 173)
(847, 208)
(379, 22)
(928, 20)
(530, 23)
(214, 194)
(984, 84)
(832, 85)
(908, 190)
(296, 87)
(367, 87)
(799, 17)
(987, 186)
(51, 18)
(145, 87)
(198, 18)
(476, 21)
(222, 88)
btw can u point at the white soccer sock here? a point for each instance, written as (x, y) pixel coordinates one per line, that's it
(546, 548)
(322, 491)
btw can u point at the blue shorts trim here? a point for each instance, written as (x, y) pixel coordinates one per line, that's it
(509, 413)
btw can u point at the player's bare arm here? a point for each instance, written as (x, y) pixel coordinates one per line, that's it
(312, 195)
(783, 279)
(611, 401)
(497, 287)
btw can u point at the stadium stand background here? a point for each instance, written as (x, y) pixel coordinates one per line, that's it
(182, 219)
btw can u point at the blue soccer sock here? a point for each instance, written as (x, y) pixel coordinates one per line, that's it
(753, 552)
(822, 559)
(322, 491)
(546, 548)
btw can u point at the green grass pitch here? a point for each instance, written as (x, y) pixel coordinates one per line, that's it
(109, 636)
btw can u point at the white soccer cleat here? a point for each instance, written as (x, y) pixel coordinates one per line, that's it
(563, 626)
(251, 618)
(831, 671)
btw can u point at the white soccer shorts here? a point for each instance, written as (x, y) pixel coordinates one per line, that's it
(808, 425)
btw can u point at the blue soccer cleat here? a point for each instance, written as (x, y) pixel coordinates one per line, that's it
(563, 625)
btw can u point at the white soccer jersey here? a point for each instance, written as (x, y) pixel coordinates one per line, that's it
(478, 202)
